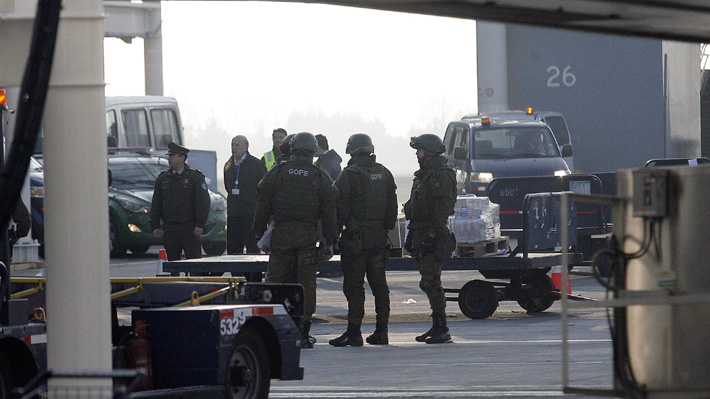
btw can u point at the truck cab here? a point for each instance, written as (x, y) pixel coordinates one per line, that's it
(484, 148)
(555, 120)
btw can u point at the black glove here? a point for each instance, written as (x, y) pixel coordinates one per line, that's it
(12, 237)
(428, 244)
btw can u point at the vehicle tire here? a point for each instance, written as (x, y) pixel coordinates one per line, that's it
(117, 250)
(478, 299)
(6, 380)
(248, 367)
(214, 248)
(139, 249)
(538, 303)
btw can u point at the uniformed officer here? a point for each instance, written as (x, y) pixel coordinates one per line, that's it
(367, 209)
(429, 240)
(182, 203)
(298, 194)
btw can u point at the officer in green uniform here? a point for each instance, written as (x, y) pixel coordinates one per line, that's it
(367, 209)
(429, 240)
(298, 194)
(182, 203)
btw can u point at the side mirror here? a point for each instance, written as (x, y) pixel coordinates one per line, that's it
(460, 153)
(566, 150)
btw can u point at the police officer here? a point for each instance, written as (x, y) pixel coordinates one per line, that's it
(429, 240)
(277, 136)
(367, 208)
(298, 194)
(182, 203)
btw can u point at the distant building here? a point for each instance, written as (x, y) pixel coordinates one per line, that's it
(626, 100)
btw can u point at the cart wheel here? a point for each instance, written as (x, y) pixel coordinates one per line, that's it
(538, 303)
(6, 383)
(478, 299)
(249, 369)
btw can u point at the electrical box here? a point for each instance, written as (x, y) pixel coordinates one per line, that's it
(651, 193)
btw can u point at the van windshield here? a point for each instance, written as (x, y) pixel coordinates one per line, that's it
(517, 142)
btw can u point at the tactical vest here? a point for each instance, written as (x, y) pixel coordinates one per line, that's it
(297, 196)
(422, 196)
(370, 200)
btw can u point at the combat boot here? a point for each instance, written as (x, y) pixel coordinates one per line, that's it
(352, 336)
(441, 331)
(307, 340)
(423, 337)
(379, 336)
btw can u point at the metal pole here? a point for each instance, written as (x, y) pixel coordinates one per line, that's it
(564, 231)
(76, 200)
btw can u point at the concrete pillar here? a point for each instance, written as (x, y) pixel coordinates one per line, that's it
(491, 49)
(76, 200)
(153, 55)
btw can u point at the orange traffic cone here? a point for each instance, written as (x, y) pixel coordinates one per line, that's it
(162, 258)
(557, 279)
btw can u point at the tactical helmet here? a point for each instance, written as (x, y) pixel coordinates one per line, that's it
(286, 146)
(427, 142)
(359, 143)
(304, 141)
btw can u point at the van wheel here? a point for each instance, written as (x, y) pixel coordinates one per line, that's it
(248, 367)
(139, 249)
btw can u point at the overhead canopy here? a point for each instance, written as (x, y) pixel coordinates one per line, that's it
(682, 20)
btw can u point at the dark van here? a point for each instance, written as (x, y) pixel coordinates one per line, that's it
(555, 120)
(484, 148)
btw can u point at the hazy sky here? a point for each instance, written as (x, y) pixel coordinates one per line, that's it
(249, 67)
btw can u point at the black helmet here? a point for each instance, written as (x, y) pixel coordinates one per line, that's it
(359, 143)
(304, 141)
(427, 142)
(286, 146)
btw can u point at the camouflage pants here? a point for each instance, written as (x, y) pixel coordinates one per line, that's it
(430, 270)
(294, 253)
(370, 263)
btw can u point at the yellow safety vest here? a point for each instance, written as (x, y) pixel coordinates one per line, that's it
(269, 159)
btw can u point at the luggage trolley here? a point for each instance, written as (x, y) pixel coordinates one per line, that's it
(525, 268)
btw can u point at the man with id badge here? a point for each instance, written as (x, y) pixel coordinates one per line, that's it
(242, 174)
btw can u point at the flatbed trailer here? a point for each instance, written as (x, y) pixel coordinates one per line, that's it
(528, 283)
(205, 336)
(525, 268)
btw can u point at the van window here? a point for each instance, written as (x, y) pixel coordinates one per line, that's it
(111, 129)
(135, 124)
(165, 127)
(457, 136)
(559, 128)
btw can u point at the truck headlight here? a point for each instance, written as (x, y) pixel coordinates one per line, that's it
(561, 172)
(133, 206)
(483, 177)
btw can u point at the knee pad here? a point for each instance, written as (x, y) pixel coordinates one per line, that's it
(429, 284)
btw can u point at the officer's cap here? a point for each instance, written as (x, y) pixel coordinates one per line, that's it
(174, 148)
